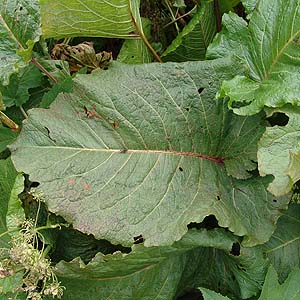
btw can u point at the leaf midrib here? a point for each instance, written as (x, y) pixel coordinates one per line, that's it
(10, 32)
(267, 75)
(219, 160)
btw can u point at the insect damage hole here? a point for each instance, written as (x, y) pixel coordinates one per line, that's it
(200, 90)
(180, 169)
(235, 249)
(138, 239)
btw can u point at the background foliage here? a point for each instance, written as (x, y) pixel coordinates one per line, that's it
(122, 177)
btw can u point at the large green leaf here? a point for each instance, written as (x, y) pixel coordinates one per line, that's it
(146, 149)
(70, 18)
(288, 290)
(191, 43)
(276, 152)
(157, 273)
(211, 295)
(284, 246)
(19, 29)
(269, 48)
(7, 136)
(249, 6)
(16, 92)
(8, 176)
(227, 5)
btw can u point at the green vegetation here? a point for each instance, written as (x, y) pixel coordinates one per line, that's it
(149, 149)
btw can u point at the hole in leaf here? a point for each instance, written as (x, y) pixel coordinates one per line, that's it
(274, 200)
(187, 109)
(71, 243)
(105, 68)
(209, 222)
(218, 198)
(191, 295)
(138, 239)
(236, 249)
(180, 169)
(132, 56)
(200, 90)
(279, 119)
(20, 8)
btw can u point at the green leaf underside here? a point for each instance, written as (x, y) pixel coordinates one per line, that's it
(8, 176)
(143, 155)
(283, 248)
(191, 43)
(290, 289)
(19, 28)
(158, 273)
(71, 18)
(275, 152)
(269, 47)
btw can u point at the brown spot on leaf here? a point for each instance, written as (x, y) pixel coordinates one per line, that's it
(92, 114)
(86, 187)
(115, 124)
(71, 181)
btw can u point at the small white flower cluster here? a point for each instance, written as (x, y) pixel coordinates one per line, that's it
(39, 279)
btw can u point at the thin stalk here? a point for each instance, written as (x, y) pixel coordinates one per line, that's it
(144, 38)
(8, 122)
(218, 15)
(23, 112)
(172, 14)
(43, 70)
(181, 16)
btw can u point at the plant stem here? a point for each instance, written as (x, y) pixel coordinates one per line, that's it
(23, 112)
(144, 38)
(43, 70)
(218, 15)
(8, 122)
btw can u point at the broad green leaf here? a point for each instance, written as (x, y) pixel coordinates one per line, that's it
(2, 106)
(269, 48)
(8, 176)
(65, 85)
(148, 154)
(16, 92)
(71, 18)
(249, 6)
(15, 212)
(7, 136)
(227, 5)
(294, 166)
(275, 150)
(290, 289)
(136, 51)
(70, 243)
(156, 273)
(211, 295)
(19, 29)
(228, 41)
(191, 43)
(10, 284)
(283, 248)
